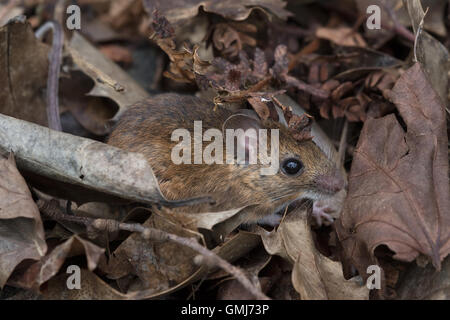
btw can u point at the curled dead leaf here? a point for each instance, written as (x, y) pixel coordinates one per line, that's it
(314, 276)
(343, 36)
(398, 186)
(21, 230)
(45, 269)
(178, 11)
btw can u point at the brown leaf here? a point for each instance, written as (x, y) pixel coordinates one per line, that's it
(185, 64)
(229, 39)
(116, 53)
(91, 112)
(398, 185)
(158, 266)
(252, 264)
(260, 107)
(109, 79)
(23, 78)
(300, 126)
(432, 54)
(178, 11)
(92, 288)
(21, 231)
(314, 276)
(357, 62)
(317, 277)
(204, 220)
(280, 71)
(341, 90)
(434, 22)
(330, 85)
(122, 12)
(324, 109)
(343, 36)
(48, 266)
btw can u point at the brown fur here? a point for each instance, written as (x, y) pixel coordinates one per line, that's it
(147, 128)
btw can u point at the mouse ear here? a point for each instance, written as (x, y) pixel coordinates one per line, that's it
(245, 125)
(242, 119)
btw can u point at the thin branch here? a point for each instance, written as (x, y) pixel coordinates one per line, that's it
(55, 56)
(397, 27)
(303, 86)
(343, 143)
(52, 210)
(418, 33)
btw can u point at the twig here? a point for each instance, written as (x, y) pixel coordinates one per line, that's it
(52, 210)
(350, 150)
(54, 121)
(60, 11)
(398, 28)
(303, 86)
(308, 49)
(418, 33)
(343, 144)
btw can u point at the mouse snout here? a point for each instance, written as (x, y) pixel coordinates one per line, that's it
(330, 183)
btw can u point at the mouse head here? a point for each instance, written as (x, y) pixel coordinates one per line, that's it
(302, 169)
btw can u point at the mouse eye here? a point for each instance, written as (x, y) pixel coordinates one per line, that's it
(291, 166)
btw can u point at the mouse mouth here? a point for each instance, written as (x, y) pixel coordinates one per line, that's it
(301, 201)
(305, 200)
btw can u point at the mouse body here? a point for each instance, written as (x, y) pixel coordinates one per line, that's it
(304, 170)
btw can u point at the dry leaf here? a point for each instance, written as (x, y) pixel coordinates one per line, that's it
(317, 277)
(118, 54)
(314, 276)
(23, 76)
(398, 186)
(92, 288)
(357, 62)
(158, 266)
(434, 22)
(343, 36)
(430, 52)
(21, 230)
(178, 11)
(43, 270)
(237, 246)
(204, 220)
(91, 112)
(110, 80)
(260, 107)
(252, 265)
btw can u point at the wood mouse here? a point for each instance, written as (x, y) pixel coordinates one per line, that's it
(305, 172)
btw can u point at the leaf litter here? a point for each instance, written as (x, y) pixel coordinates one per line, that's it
(380, 105)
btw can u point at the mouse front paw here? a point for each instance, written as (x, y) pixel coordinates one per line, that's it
(322, 214)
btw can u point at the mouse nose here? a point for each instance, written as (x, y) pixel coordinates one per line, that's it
(330, 183)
